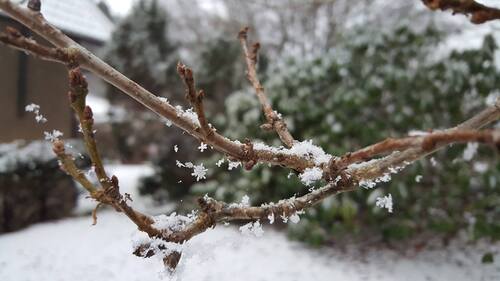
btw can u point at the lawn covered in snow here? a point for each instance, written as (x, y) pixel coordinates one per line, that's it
(73, 249)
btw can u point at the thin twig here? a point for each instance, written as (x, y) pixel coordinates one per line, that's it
(274, 121)
(195, 98)
(77, 96)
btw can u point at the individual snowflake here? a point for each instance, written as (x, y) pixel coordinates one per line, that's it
(203, 147)
(199, 171)
(385, 202)
(53, 136)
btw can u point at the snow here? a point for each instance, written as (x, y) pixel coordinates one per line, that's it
(100, 108)
(21, 152)
(188, 114)
(199, 172)
(53, 136)
(79, 17)
(311, 175)
(73, 249)
(470, 151)
(418, 178)
(35, 108)
(385, 202)
(252, 228)
(304, 149)
(202, 147)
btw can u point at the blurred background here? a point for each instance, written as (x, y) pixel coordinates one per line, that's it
(344, 74)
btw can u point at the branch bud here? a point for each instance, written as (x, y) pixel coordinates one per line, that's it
(88, 115)
(76, 79)
(243, 33)
(58, 147)
(35, 5)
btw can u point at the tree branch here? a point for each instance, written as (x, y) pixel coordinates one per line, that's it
(341, 175)
(274, 121)
(195, 98)
(478, 13)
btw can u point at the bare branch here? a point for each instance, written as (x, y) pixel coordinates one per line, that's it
(478, 13)
(195, 98)
(426, 142)
(274, 121)
(13, 38)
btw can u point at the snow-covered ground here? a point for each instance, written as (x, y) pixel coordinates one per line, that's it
(73, 249)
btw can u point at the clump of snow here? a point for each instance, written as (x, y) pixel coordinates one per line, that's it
(233, 165)
(417, 133)
(369, 184)
(271, 218)
(188, 114)
(311, 175)
(304, 149)
(53, 136)
(295, 218)
(492, 98)
(386, 177)
(245, 201)
(252, 228)
(385, 202)
(35, 108)
(470, 151)
(172, 222)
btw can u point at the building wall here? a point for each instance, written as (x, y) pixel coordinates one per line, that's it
(46, 85)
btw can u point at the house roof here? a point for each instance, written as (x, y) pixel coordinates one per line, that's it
(81, 18)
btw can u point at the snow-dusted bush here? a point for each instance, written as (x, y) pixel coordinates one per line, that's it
(32, 186)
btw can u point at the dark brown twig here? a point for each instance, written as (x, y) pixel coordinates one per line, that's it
(195, 98)
(479, 13)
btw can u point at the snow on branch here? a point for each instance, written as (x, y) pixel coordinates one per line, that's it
(167, 233)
